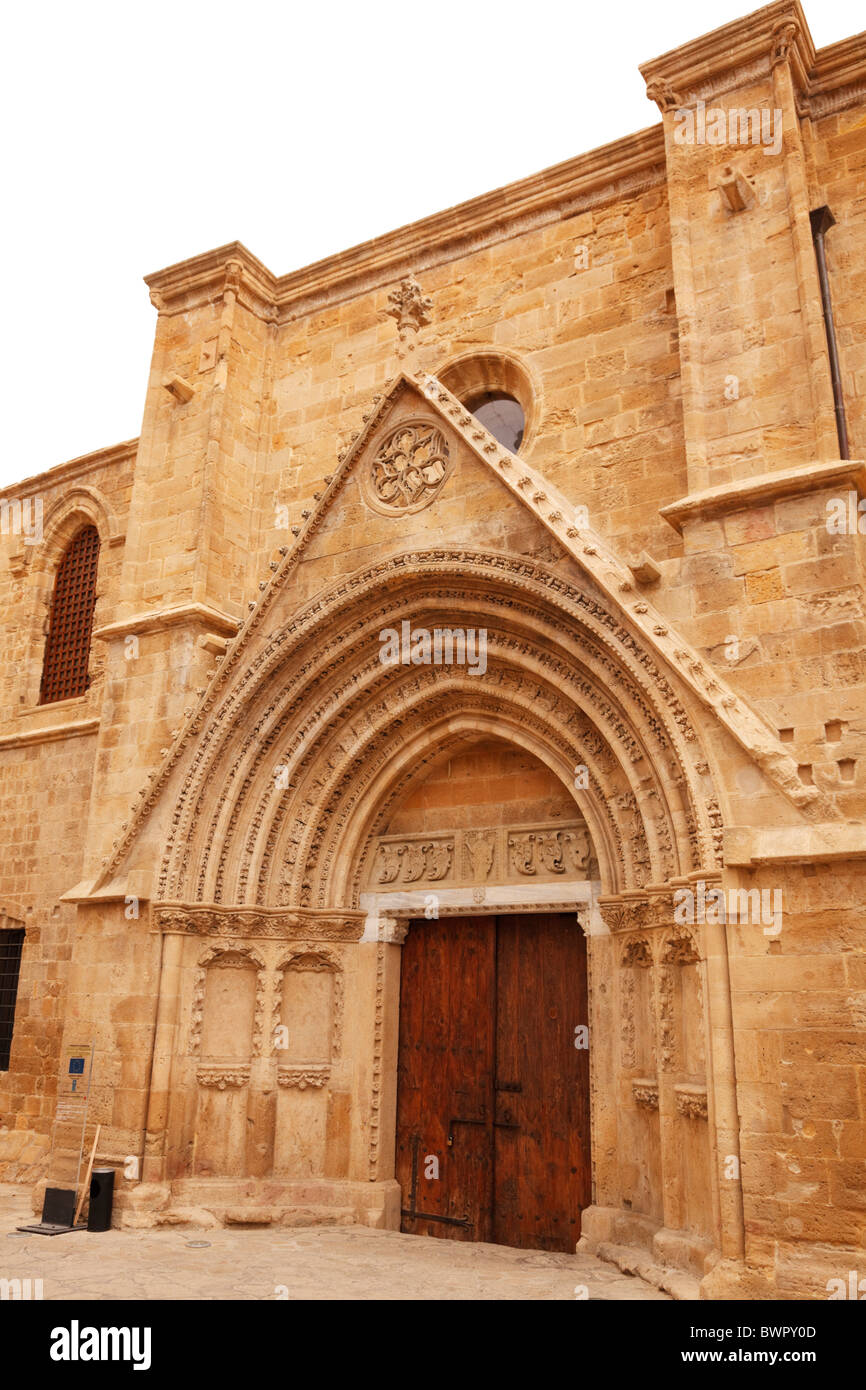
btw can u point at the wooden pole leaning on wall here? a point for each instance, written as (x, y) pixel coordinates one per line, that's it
(86, 1183)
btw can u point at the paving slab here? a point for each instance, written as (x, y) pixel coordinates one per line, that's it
(313, 1262)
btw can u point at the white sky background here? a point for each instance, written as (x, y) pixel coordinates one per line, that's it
(136, 135)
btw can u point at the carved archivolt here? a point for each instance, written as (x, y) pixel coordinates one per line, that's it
(317, 704)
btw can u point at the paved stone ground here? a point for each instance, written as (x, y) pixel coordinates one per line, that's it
(315, 1262)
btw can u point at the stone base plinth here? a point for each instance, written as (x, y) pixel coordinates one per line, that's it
(259, 1202)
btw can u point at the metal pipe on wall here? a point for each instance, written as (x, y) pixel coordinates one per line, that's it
(822, 220)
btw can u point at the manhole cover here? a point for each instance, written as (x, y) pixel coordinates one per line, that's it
(198, 1245)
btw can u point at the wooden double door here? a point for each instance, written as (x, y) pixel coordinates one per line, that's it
(493, 1117)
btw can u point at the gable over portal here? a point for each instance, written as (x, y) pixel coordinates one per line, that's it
(308, 736)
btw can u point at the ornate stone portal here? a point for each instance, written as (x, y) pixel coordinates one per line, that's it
(244, 821)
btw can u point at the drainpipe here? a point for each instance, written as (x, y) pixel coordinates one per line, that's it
(822, 220)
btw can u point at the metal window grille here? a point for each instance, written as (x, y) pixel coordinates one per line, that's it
(67, 648)
(11, 943)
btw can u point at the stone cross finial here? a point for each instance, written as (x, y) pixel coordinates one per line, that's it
(411, 308)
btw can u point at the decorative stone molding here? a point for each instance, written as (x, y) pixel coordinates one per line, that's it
(305, 924)
(663, 94)
(378, 1062)
(691, 1101)
(635, 954)
(736, 55)
(637, 913)
(303, 1075)
(646, 1093)
(221, 1078)
(765, 488)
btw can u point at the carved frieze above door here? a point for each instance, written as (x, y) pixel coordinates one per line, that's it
(548, 852)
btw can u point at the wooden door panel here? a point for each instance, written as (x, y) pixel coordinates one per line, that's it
(541, 1139)
(490, 1083)
(444, 1078)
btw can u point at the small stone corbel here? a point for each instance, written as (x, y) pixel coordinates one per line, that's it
(180, 388)
(735, 191)
(645, 569)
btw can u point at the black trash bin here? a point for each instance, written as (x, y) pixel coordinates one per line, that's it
(101, 1199)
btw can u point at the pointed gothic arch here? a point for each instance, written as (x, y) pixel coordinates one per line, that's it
(315, 737)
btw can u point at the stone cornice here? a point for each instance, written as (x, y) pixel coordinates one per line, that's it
(74, 468)
(766, 487)
(800, 844)
(49, 733)
(733, 56)
(161, 618)
(839, 78)
(602, 175)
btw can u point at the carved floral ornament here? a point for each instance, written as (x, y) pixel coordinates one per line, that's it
(244, 923)
(691, 1101)
(223, 1078)
(646, 1094)
(409, 467)
(411, 308)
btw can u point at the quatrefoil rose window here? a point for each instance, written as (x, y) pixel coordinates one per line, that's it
(409, 469)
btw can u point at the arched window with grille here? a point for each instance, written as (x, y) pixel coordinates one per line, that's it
(67, 647)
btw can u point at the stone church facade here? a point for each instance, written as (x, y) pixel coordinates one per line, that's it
(497, 581)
